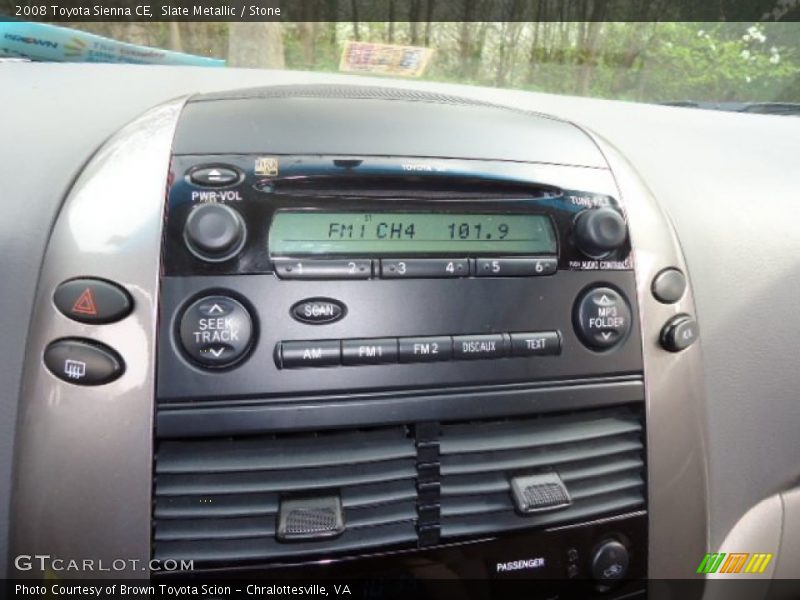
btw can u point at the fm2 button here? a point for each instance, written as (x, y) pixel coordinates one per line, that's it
(602, 318)
(216, 331)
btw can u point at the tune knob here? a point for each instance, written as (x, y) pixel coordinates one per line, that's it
(214, 232)
(599, 231)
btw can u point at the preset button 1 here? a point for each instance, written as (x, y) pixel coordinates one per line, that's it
(357, 268)
(602, 318)
(216, 331)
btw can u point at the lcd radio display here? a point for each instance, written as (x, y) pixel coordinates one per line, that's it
(301, 233)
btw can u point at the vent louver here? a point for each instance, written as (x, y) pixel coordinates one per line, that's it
(217, 501)
(598, 455)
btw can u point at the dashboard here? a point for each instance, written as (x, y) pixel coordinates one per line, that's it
(291, 323)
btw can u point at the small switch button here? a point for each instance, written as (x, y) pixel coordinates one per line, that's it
(679, 333)
(669, 285)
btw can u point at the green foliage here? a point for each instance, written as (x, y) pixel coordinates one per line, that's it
(687, 61)
(640, 61)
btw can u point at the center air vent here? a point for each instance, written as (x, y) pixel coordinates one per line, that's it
(269, 498)
(218, 501)
(598, 457)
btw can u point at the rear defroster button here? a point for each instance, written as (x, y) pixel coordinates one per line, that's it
(602, 318)
(216, 331)
(83, 362)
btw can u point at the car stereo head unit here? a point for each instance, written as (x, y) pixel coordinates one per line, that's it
(426, 264)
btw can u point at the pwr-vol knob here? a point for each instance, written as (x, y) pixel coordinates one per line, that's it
(599, 231)
(214, 232)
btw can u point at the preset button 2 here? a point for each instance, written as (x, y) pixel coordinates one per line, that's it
(399, 268)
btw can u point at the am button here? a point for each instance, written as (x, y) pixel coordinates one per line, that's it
(311, 353)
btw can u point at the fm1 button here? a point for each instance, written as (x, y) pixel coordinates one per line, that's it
(369, 352)
(679, 333)
(83, 362)
(216, 331)
(602, 318)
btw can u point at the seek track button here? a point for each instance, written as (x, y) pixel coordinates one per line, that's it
(216, 331)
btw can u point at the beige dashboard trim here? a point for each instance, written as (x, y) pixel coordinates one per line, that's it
(676, 421)
(83, 471)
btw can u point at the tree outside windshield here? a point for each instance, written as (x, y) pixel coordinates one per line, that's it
(647, 61)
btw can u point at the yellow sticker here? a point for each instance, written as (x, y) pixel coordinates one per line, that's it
(266, 166)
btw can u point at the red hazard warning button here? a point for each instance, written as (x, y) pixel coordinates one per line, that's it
(92, 301)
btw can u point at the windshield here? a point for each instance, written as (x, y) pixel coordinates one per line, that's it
(734, 66)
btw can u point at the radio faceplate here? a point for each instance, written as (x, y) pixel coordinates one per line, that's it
(445, 315)
(377, 187)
